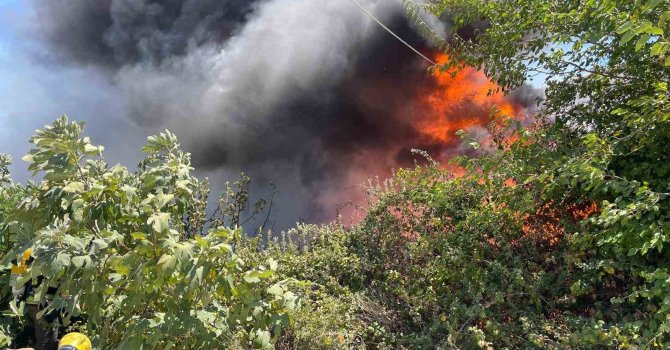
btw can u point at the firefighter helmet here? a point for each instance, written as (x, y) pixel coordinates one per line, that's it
(74, 341)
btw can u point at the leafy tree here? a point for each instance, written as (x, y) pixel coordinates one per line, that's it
(601, 137)
(10, 195)
(130, 253)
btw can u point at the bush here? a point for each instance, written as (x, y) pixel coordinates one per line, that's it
(130, 252)
(321, 256)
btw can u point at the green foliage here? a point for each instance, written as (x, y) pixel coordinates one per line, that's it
(233, 205)
(556, 236)
(5, 162)
(562, 39)
(322, 256)
(6, 332)
(10, 196)
(455, 267)
(601, 137)
(126, 253)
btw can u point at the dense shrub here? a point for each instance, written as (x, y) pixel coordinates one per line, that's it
(321, 256)
(129, 252)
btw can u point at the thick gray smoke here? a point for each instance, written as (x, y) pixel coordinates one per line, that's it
(118, 32)
(298, 92)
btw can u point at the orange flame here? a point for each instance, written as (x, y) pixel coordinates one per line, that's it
(458, 102)
(438, 106)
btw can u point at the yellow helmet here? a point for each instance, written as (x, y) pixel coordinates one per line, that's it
(74, 341)
(27, 254)
(21, 266)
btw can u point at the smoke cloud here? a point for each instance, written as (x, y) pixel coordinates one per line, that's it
(310, 95)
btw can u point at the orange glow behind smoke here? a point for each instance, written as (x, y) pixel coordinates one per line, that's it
(437, 107)
(461, 102)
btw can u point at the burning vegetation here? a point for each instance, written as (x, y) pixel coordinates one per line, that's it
(554, 237)
(459, 100)
(317, 108)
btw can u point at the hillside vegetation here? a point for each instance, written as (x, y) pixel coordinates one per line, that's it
(557, 236)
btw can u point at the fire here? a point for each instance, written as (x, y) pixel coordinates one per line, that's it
(424, 112)
(463, 101)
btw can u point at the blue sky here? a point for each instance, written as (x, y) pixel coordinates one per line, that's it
(35, 89)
